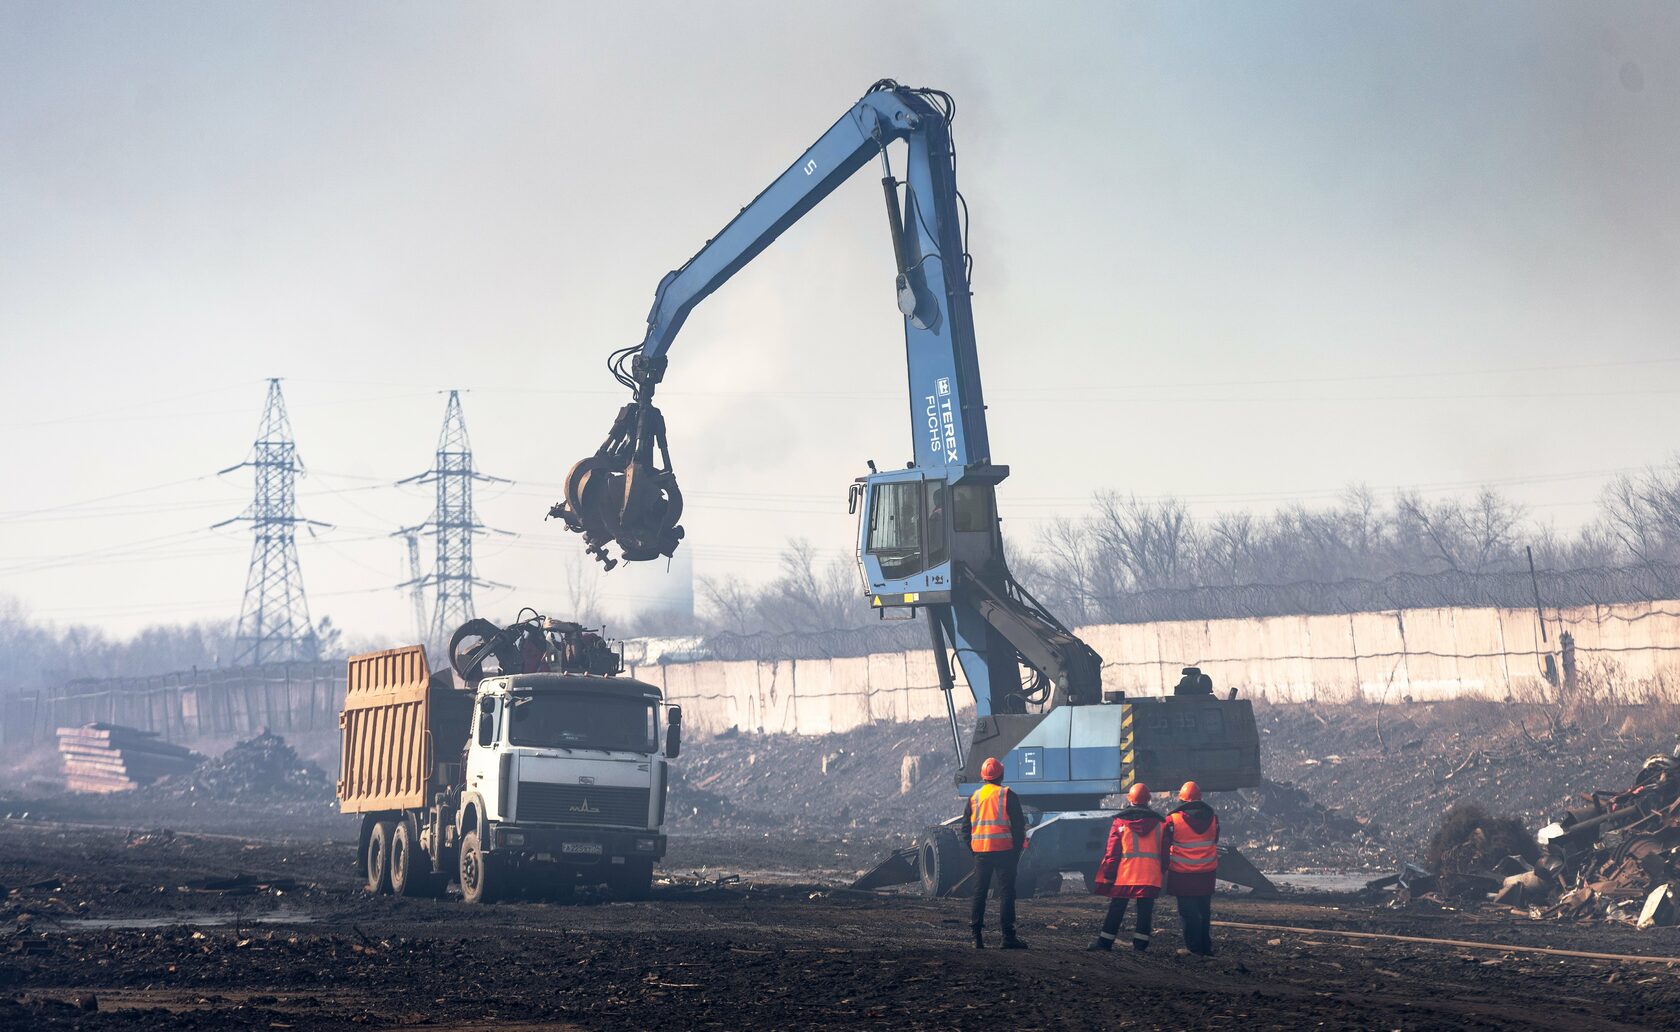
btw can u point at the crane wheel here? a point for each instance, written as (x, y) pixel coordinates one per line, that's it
(943, 860)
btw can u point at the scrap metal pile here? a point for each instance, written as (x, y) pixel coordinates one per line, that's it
(1616, 858)
(264, 767)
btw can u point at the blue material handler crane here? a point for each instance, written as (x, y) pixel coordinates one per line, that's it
(929, 534)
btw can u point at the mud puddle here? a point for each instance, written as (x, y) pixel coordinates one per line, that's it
(282, 916)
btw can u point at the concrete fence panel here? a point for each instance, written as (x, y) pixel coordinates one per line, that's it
(1621, 653)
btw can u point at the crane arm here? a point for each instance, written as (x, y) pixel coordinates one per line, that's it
(627, 491)
(934, 539)
(861, 134)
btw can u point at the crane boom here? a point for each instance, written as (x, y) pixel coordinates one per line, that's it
(929, 535)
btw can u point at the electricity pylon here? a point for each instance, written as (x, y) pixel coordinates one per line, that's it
(274, 622)
(454, 524)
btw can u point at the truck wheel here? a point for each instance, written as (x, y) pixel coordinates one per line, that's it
(943, 861)
(379, 857)
(631, 880)
(478, 878)
(411, 869)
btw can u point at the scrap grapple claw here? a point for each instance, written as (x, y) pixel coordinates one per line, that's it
(621, 494)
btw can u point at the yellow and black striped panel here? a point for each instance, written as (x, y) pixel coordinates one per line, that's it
(1128, 753)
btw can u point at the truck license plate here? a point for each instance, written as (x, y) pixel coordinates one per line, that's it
(589, 848)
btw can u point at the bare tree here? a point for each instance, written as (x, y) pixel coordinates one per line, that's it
(583, 589)
(729, 602)
(1154, 542)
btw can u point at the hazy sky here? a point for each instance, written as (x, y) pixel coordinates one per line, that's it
(1239, 253)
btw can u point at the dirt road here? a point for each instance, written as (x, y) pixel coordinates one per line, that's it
(107, 929)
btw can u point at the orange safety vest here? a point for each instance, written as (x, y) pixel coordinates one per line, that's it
(988, 811)
(1192, 853)
(1140, 857)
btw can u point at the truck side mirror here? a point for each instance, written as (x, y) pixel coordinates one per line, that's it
(673, 732)
(486, 722)
(854, 493)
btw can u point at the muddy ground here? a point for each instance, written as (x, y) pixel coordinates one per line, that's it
(104, 929)
(248, 914)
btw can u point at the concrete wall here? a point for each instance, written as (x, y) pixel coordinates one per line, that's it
(1622, 653)
(284, 698)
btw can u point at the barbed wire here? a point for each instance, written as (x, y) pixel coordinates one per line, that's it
(1447, 589)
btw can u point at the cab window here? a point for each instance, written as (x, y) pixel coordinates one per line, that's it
(937, 517)
(487, 722)
(895, 528)
(972, 507)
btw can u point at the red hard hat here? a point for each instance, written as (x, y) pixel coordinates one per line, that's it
(1139, 795)
(1190, 793)
(991, 770)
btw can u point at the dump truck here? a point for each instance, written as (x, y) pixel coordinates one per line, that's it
(545, 780)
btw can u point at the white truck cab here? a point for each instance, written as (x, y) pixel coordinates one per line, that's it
(550, 779)
(571, 769)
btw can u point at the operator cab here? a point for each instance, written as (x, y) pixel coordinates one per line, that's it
(916, 526)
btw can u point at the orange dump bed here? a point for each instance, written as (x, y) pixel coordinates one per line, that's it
(384, 731)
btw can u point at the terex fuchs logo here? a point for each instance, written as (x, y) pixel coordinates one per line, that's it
(584, 807)
(941, 424)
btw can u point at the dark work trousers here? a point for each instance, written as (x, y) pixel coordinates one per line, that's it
(1003, 865)
(1195, 913)
(1117, 913)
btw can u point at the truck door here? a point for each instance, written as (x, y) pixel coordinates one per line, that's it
(484, 766)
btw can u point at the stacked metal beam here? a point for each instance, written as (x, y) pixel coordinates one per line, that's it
(112, 758)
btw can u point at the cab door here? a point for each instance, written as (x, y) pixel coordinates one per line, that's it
(485, 771)
(904, 536)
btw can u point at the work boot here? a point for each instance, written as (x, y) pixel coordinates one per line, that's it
(1012, 943)
(979, 940)
(1101, 942)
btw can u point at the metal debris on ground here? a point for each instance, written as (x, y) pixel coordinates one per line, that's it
(264, 767)
(1616, 858)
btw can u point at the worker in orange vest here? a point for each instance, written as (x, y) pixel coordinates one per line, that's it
(995, 827)
(1132, 868)
(1192, 860)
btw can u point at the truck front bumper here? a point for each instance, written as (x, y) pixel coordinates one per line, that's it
(576, 845)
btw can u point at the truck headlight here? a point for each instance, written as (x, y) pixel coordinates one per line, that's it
(514, 840)
(646, 845)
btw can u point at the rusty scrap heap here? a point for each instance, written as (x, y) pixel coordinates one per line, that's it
(1616, 858)
(1619, 856)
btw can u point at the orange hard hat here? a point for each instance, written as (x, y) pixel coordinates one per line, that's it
(991, 770)
(1190, 793)
(1139, 795)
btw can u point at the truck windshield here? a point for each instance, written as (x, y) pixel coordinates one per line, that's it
(582, 721)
